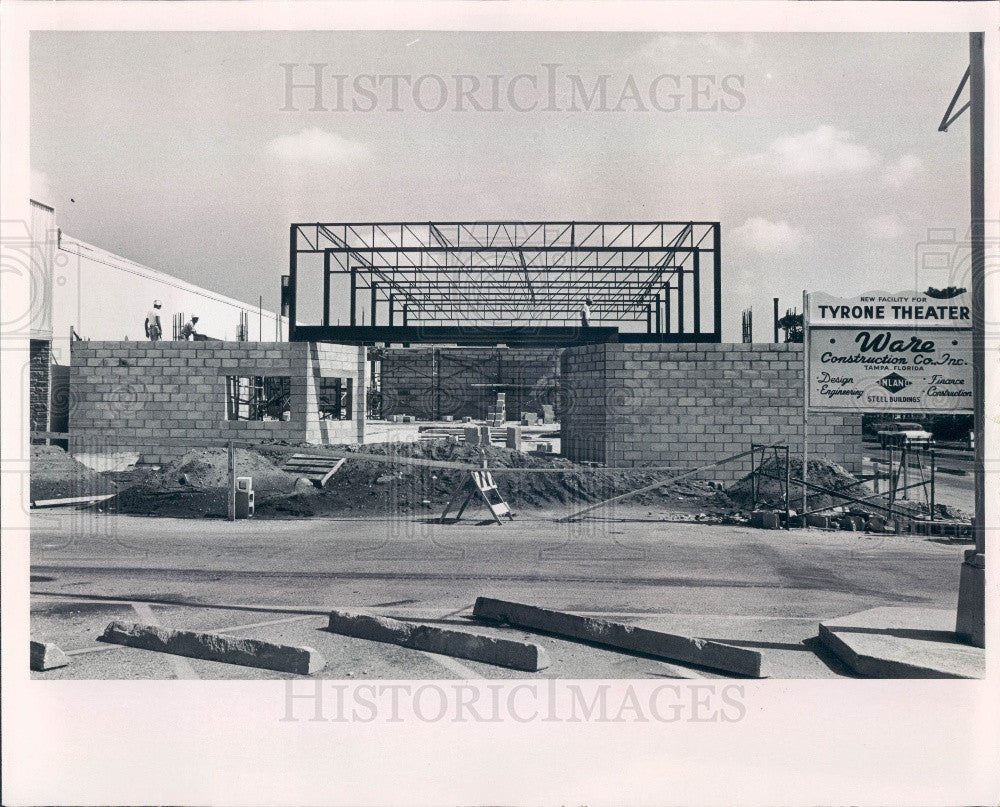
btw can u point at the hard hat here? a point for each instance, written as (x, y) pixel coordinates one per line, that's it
(157, 303)
(194, 318)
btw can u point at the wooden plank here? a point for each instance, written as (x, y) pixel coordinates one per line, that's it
(332, 471)
(661, 484)
(71, 500)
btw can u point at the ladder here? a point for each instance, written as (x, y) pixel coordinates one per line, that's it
(482, 484)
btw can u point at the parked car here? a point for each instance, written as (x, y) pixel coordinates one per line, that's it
(905, 433)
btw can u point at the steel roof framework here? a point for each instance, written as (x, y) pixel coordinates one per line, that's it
(500, 275)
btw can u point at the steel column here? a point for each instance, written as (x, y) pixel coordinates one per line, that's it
(717, 279)
(696, 290)
(326, 288)
(293, 262)
(680, 301)
(354, 294)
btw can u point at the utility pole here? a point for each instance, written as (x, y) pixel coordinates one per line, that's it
(971, 615)
(970, 620)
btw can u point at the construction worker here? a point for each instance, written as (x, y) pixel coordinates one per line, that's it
(189, 330)
(585, 313)
(154, 329)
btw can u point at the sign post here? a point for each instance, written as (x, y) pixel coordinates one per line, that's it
(805, 405)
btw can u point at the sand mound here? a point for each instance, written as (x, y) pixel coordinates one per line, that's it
(198, 483)
(56, 475)
(821, 472)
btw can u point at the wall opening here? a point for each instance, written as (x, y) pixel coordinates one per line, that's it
(258, 397)
(336, 398)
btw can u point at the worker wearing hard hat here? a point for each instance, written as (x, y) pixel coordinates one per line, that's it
(154, 328)
(190, 331)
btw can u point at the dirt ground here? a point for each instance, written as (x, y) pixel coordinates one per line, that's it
(196, 485)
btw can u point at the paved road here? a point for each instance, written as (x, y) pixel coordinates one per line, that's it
(949, 488)
(275, 579)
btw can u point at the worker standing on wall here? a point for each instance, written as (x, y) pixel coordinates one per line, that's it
(189, 331)
(585, 313)
(154, 328)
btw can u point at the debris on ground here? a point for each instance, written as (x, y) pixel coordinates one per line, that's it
(840, 514)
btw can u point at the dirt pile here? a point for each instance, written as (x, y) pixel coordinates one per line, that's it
(198, 484)
(56, 475)
(381, 487)
(770, 492)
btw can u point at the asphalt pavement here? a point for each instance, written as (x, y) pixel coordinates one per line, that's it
(276, 580)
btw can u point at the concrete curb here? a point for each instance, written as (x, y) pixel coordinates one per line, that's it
(460, 644)
(215, 647)
(889, 642)
(701, 652)
(46, 656)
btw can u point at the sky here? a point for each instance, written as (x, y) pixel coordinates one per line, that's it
(818, 153)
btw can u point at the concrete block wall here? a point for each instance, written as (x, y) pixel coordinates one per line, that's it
(139, 396)
(689, 405)
(584, 403)
(428, 381)
(39, 358)
(334, 361)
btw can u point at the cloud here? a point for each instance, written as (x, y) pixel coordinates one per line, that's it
(901, 171)
(41, 187)
(887, 227)
(723, 46)
(824, 150)
(762, 235)
(319, 147)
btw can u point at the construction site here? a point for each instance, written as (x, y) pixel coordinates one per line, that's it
(495, 403)
(540, 411)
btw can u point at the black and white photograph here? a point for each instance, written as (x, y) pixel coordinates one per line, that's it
(490, 389)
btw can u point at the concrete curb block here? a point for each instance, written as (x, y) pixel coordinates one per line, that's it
(45, 656)
(215, 647)
(460, 644)
(888, 642)
(704, 653)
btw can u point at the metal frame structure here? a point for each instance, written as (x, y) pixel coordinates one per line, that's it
(515, 283)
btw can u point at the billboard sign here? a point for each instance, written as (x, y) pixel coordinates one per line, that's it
(889, 352)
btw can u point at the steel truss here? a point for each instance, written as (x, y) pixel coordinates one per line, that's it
(526, 278)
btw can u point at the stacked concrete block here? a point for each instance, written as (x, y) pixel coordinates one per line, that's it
(497, 415)
(163, 399)
(40, 362)
(514, 437)
(688, 405)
